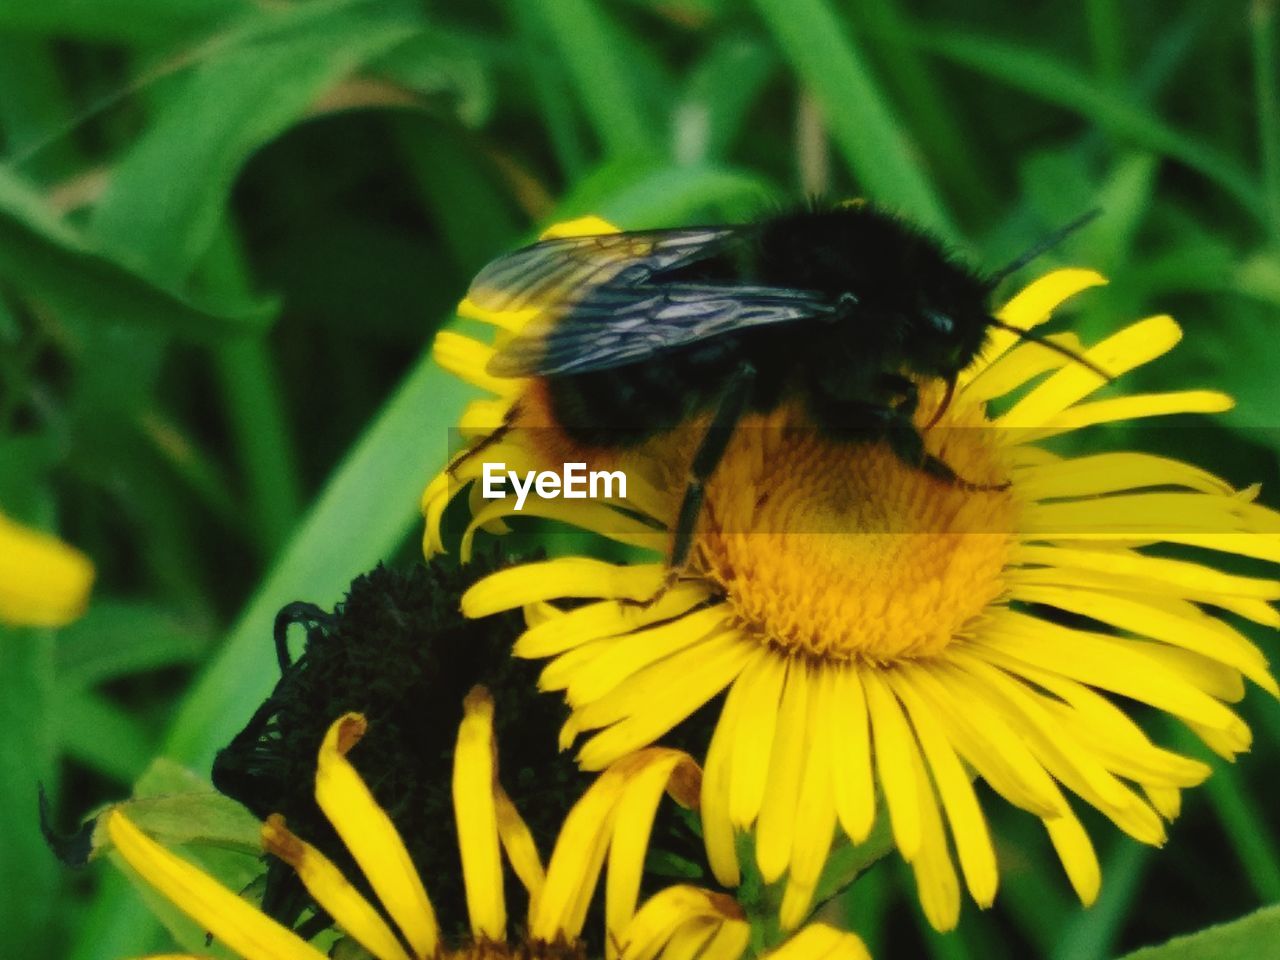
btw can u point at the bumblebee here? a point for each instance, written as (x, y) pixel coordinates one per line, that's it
(845, 308)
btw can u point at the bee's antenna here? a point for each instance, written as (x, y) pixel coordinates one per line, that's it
(1055, 347)
(1041, 246)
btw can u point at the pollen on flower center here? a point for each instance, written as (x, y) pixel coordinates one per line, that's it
(841, 551)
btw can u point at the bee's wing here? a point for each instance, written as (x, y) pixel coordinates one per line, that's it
(620, 324)
(555, 273)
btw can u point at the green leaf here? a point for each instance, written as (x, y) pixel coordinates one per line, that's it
(28, 872)
(1248, 938)
(723, 87)
(1049, 79)
(177, 808)
(588, 45)
(863, 123)
(116, 638)
(47, 259)
(169, 192)
(124, 21)
(104, 737)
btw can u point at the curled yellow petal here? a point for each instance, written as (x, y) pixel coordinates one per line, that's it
(372, 838)
(332, 891)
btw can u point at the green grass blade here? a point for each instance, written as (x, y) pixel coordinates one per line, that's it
(1051, 80)
(255, 410)
(608, 93)
(818, 46)
(1266, 85)
(30, 877)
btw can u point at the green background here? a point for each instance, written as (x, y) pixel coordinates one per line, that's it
(228, 229)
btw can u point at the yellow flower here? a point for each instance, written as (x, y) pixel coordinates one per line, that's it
(872, 624)
(43, 582)
(611, 821)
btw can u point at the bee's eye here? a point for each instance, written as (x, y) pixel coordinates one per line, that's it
(940, 322)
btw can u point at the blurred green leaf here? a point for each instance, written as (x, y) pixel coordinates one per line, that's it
(443, 63)
(169, 192)
(124, 21)
(610, 95)
(103, 736)
(49, 260)
(869, 134)
(29, 874)
(711, 111)
(1043, 76)
(1249, 938)
(116, 638)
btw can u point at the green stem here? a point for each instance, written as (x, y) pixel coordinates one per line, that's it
(1107, 39)
(255, 409)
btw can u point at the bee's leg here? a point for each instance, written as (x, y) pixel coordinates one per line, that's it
(907, 443)
(732, 405)
(489, 440)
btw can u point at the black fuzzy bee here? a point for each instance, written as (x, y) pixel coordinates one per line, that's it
(846, 308)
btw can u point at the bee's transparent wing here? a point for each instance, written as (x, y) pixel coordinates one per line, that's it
(601, 302)
(554, 273)
(617, 325)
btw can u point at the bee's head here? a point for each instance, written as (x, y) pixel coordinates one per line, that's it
(943, 340)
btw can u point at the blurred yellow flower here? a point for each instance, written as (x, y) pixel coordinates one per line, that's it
(612, 821)
(43, 582)
(877, 629)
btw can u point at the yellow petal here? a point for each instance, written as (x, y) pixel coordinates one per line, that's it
(969, 829)
(851, 756)
(564, 577)
(332, 891)
(673, 909)
(1110, 663)
(991, 746)
(475, 810)
(754, 744)
(1063, 756)
(517, 840)
(639, 650)
(633, 822)
(468, 359)
(1033, 304)
(608, 618)
(1131, 407)
(651, 702)
(776, 827)
(1098, 473)
(43, 582)
(817, 941)
(244, 929)
(588, 226)
(1131, 347)
(1076, 852)
(371, 837)
(584, 839)
(894, 748)
(717, 824)
(936, 883)
(815, 816)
